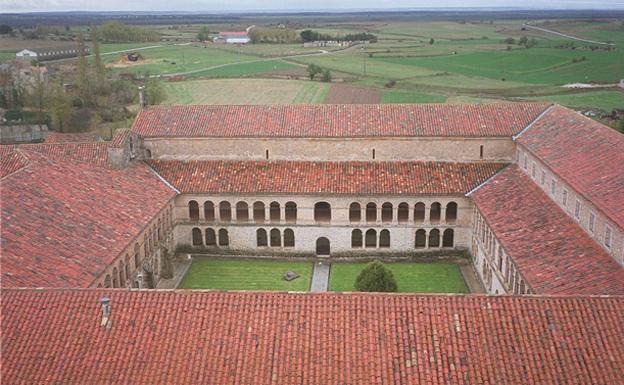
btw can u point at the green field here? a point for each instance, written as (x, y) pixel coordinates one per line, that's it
(606, 100)
(246, 69)
(410, 97)
(410, 277)
(246, 275)
(247, 91)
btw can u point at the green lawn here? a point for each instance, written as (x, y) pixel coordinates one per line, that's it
(411, 277)
(246, 275)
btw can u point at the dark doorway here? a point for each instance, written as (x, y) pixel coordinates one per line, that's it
(322, 246)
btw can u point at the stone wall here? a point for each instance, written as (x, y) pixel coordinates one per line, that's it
(343, 149)
(242, 235)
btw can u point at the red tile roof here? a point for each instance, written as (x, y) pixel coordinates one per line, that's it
(551, 251)
(120, 136)
(199, 337)
(378, 120)
(295, 177)
(587, 155)
(76, 137)
(11, 161)
(64, 222)
(94, 153)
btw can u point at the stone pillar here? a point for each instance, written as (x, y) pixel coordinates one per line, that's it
(427, 214)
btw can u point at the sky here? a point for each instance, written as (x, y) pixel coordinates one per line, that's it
(288, 5)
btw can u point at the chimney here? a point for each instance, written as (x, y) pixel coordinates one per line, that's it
(142, 100)
(105, 301)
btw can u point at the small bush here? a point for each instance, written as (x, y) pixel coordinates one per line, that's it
(376, 277)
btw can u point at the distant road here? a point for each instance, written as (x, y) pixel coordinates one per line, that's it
(564, 35)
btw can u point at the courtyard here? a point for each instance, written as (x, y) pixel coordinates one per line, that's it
(253, 274)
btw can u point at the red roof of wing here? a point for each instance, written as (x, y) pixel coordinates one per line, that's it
(64, 222)
(373, 120)
(295, 177)
(587, 155)
(92, 153)
(196, 337)
(549, 248)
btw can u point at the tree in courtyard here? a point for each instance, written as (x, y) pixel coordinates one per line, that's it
(60, 109)
(376, 277)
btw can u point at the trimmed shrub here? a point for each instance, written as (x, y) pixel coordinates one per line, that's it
(376, 277)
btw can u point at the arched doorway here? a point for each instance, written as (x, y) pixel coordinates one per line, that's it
(322, 246)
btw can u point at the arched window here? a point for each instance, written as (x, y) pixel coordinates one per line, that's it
(355, 212)
(211, 237)
(122, 275)
(386, 212)
(451, 212)
(435, 212)
(197, 237)
(137, 256)
(193, 207)
(242, 212)
(107, 281)
(322, 212)
(274, 212)
(115, 277)
(276, 238)
(421, 239)
(371, 238)
(224, 239)
(291, 213)
(289, 238)
(434, 238)
(209, 211)
(356, 238)
(127, 266)
(258, 212)
(225, 211)
(447, 238)
(403, 212)
(384, 238)
(323, 246)
(261, 238)
(371, 212)
(419, 212)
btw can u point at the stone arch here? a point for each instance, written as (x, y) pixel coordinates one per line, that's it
(261, 238)
(371, 212)
(242, 212)
(290, 213)
(224, 237)
(209, 211)
(448, 238)
(370, 239)
(356, 239)
(434, 238)
(196, 235)
(435, 212)
(323, 246)
(258, 212)
(211, 237)
(419, 212)
(451, 212)
(322, 212)
(355, 212)
(275, 212)
(386, 212)
(115, 277)
(289, 238)
(225, 211)
(107, 281)
(193, 208)
(275, 238)
(403, 213)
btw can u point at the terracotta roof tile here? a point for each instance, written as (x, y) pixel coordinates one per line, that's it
(120, 136)
(587, 155)
(551, 251)
(95, 153)
(295, 177)
(76, 137)
(11, 161)
(496, 119)
(195, 337)
(64, 222)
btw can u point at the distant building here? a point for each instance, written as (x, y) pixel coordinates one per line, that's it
(50, 53)
(232, 38)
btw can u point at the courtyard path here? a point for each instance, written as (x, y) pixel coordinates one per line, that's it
(320, 276)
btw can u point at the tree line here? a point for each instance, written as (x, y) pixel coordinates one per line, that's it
(309, 35)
